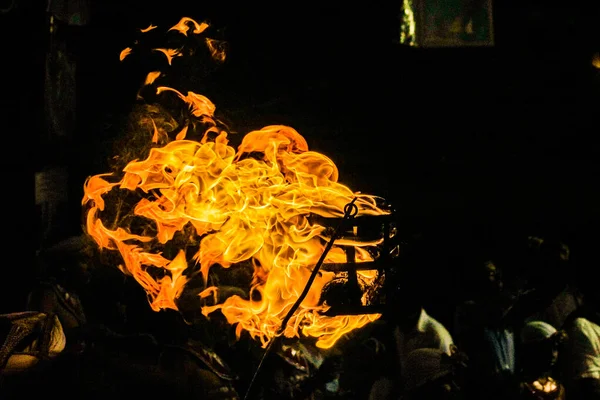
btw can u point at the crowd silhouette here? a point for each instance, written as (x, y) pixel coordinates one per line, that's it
(525, 325)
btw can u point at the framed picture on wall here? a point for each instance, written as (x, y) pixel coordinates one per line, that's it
(447, 23)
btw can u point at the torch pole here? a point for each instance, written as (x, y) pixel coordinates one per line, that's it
(350, 211)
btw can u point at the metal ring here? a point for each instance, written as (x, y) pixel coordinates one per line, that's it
(350, 210)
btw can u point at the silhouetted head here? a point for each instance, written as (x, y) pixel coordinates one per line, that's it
(408, 313)
(488, 279)
(406, 297)
(545, 259)
(540, 342)
(590, 289)
(586, 261)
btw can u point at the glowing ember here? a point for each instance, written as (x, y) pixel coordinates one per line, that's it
(251, 205)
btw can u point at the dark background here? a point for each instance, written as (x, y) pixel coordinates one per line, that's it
(468, 144)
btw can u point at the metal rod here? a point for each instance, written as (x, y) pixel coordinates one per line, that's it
(350, 211)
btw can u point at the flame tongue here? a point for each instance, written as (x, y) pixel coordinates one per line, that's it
(231, 207)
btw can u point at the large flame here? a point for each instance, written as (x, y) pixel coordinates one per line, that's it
(252, 204)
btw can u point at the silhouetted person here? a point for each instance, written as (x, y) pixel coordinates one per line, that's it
(409, 327)
(546, 292)
(539, 348)
(482, 333)
(582, 351)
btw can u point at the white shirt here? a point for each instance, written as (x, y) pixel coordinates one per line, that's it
(584, 349)
(428, 333)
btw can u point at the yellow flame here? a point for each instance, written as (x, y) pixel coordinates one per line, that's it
(254, 204)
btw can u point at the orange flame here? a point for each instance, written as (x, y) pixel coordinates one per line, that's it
(217, 49)
(124, 53)
(149, 28)
(183, 26)
(151, 77)
(169, 53)
(255, 204)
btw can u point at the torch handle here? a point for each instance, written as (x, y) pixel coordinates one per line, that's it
(350, 211)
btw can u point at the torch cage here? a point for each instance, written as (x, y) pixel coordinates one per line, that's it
(347, 293)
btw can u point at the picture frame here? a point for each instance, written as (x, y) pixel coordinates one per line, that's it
(447, 23)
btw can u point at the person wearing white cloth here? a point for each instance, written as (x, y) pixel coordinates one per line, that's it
(410, 327)
(582, 359)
